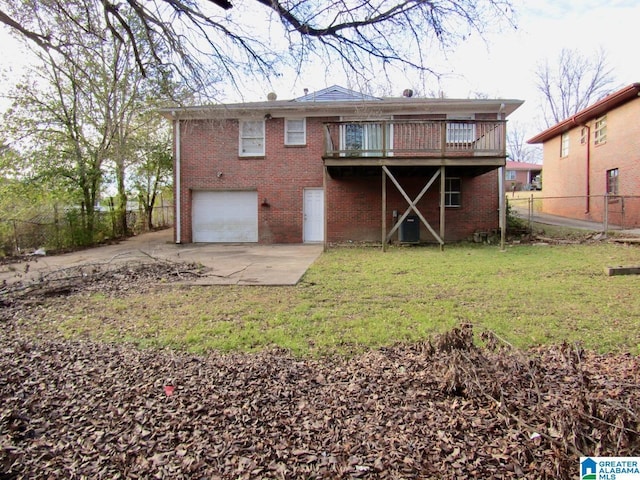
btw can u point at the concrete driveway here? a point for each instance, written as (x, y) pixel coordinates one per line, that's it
(225, 264)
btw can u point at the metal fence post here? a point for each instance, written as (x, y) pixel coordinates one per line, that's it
(15, 238)
(605, 216)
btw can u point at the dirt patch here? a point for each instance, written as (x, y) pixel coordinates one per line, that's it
(444, 409)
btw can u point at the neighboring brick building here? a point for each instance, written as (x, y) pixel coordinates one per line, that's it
(592, 161)
(522, 176)
(337, 166)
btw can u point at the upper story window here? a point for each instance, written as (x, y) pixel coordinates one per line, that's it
(584, 135)
(564, 145)
(600, 130)
(461, 129)
(295, 131)
(251, 138)
(612, 181)
(452, 187)
(366, 138)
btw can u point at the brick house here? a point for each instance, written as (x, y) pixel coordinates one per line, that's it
(338, 166)
(521, 175)
(592, 161)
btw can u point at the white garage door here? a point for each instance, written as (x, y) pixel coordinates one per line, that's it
(225, 216)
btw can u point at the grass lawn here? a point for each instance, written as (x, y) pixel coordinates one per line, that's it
(353, 299)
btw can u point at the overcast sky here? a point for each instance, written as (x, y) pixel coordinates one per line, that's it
(502, 65)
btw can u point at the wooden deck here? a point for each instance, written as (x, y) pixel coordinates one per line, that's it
(416, 143)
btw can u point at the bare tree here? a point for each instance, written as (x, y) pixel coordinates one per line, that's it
(517, 148)
(209, 41)
(572, 84)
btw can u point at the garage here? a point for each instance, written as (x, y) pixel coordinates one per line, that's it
(224, 216)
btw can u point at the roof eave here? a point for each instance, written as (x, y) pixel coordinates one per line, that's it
(597, 109)
(285, 107)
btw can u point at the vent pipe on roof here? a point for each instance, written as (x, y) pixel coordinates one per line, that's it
(271, 96)
(407, 93)
(306, 91)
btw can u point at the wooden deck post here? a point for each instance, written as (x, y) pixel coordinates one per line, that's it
(324, 205)
(442, 203)
(384, 211)
(503, 206)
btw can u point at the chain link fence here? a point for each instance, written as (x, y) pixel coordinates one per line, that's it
(59, 231)
(602, 212)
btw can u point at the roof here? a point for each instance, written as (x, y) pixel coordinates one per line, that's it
(335, 93)
(337, 100)
(511, 165)
(599, 108)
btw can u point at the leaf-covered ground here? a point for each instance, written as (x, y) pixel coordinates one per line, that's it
(445, 409)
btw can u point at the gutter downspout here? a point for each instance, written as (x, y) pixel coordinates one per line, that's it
(588, 161)
(178, 187)
(502, 204)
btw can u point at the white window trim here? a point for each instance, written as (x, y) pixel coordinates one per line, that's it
(451, 134)
(564, 145)
(381, 118)
(286, 131)
(240, 138)
(600, 130)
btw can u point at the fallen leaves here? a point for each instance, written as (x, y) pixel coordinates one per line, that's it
(82, 409)
(447, 409)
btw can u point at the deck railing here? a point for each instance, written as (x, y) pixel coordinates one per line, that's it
(419, 139)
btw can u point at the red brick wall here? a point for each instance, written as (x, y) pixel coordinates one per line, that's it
(353, 205)
(567, 177)
(209, 147)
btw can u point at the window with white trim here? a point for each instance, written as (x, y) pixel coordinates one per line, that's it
(366, 138)
(510, 175)
(584, 135)
(461, 129)
(612, 181)
(251, 138)
(564, 145)
(452, 187)
(600, 130)
(295, 131)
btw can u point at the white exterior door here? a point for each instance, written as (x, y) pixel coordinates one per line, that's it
(313, 226)
(224, 216)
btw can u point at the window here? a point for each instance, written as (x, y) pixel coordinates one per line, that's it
(452, 192)
(510, 175)
(612, 181)
(461, 129)
(461, 132)
(251, 138)
(584, 135)
(600, 130)
(564, 144)
(295, 131)
(366, 139)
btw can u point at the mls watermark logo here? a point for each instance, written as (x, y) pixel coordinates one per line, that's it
(609, 468)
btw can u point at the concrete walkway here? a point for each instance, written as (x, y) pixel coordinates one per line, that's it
(225, 264)
(547, 219)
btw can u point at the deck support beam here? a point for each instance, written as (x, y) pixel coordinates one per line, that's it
(412, 204)
(502, 206)
(384, 210)
(442, 203)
